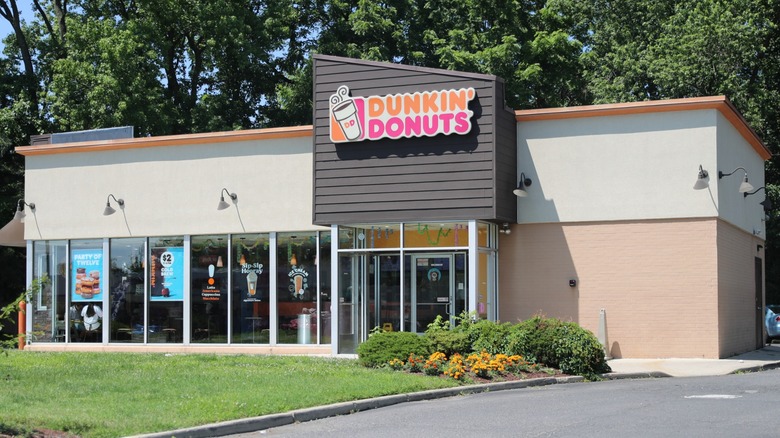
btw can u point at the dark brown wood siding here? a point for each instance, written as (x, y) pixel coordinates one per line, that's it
(444, 177)
(506, 161)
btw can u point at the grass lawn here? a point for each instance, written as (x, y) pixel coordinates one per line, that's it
(119, 394)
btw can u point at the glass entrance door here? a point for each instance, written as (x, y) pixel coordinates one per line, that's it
(433, 289)
(384, 292)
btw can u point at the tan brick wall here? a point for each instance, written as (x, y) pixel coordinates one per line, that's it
(656, 280)
(737, 251)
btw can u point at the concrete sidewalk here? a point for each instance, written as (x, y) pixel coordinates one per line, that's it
(765, 358)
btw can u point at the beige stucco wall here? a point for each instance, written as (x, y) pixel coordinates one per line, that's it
(637, 166)
(617, 167)
(733, 152)
(657, 281)
(172, 190)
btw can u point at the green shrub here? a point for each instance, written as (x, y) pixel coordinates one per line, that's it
(381, 347)
(558, 344)
(533, 339)
(445, 339)
(489, 336)
(449, 342)
(578, 351)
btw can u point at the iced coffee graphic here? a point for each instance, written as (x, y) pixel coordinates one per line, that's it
(298, 282)
(251, 283)
(345, 112)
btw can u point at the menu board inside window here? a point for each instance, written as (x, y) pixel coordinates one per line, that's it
(166, 270)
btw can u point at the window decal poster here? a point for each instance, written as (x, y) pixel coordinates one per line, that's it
(87, 265)
(167, 274)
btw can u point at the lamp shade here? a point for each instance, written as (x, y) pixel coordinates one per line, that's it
(524, 182)
(108, 211)
(520, 192)
(222, 203)
(745, 186)
(12, 234)
(703, 180)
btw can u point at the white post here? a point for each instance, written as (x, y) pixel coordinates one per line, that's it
(603, 333)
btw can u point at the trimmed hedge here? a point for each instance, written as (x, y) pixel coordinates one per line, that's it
(381, 347)
(558, 344)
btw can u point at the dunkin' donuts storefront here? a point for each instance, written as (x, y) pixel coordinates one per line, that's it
(413, 168)
(413, 190)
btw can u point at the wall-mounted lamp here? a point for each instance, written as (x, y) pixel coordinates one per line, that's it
(521, 186)
(505, 228)
(108, 211)
(572, 283)
(222, 204)
(703, 181)
(19, 215)
(759, 248)
(745, 186)
(766, 203)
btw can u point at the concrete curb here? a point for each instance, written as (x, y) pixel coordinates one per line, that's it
(753, 369)
(255, 424)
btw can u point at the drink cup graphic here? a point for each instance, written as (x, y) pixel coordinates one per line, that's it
(298, 284)
(344, 111)
(346, 116)
(251, 283)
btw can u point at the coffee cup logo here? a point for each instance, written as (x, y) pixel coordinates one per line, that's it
(344, 111)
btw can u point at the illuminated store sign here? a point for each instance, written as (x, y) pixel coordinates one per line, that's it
(395, 116)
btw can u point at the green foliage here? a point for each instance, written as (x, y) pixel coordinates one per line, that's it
(558, 344)
(549, 341)
(381, 347)
(532, 339)
(489, 336)
(445, 339)
(8, 314)
(577, 351)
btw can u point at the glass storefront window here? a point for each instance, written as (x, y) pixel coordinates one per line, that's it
(87, 290)
(296, 275)
(347, 236)
(483, 235)
(351, 290)
(48, 302)
(126, 289)
(323, 265)
(209, 289)
(166, 289)
(371, 236)
(251, 289)
(436, 235)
